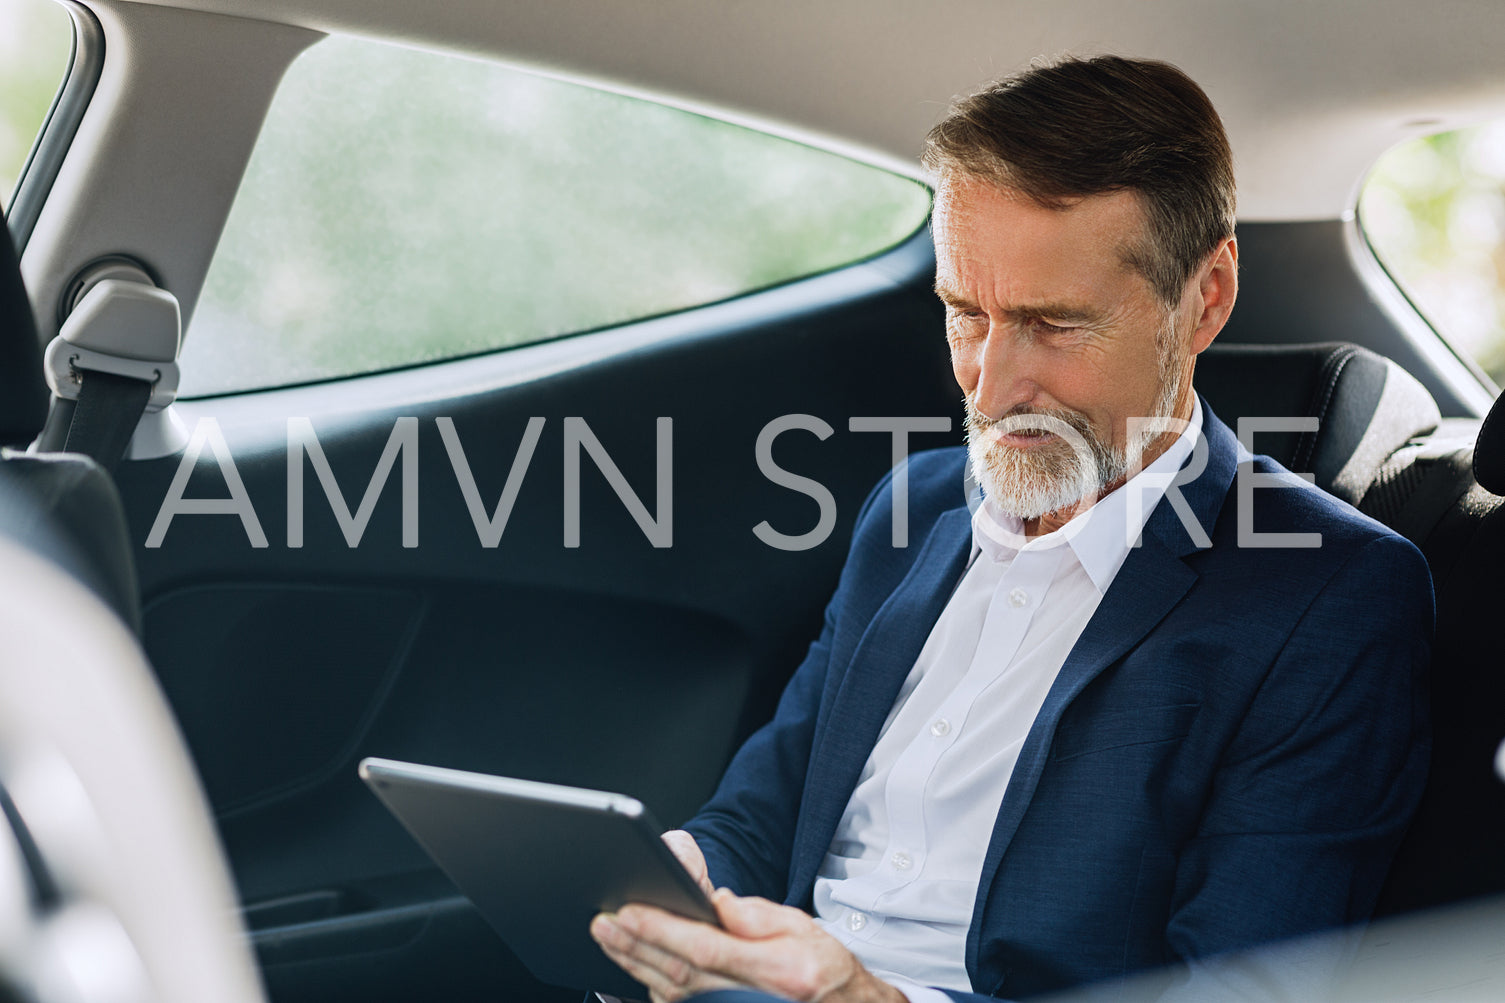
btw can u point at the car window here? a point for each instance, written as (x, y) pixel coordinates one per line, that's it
(36, 41)
(403, 206)
(1433, 210)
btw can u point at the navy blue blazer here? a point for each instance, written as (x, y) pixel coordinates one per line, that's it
(1229, 755)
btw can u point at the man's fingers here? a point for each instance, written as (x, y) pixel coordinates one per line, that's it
(649, 964)
(661, 989)
(771, 947)
(635, 942)
(734, 958)
(700, 945)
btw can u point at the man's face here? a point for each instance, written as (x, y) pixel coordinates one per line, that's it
(1045, 318)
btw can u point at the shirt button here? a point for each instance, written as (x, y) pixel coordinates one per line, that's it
(856, 921)
(1018, 598)
(941, 728)
(901, 861)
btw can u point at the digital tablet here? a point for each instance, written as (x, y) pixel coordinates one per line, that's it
(539, 860)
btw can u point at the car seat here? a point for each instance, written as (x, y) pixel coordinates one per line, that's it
(113, 886)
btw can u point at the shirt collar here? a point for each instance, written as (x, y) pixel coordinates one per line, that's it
(1101, 537)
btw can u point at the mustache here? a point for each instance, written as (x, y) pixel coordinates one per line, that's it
(1027, 418)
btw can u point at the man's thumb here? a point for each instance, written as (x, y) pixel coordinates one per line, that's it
(753, 918)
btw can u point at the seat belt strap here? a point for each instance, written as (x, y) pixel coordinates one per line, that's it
(105, 416)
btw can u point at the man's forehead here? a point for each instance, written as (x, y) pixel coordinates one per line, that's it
(976, 220)
(960, 196)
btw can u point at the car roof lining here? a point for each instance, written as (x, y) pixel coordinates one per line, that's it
(1311, 93)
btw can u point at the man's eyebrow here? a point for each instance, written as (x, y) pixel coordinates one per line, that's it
(1071, 313)
(951, 298)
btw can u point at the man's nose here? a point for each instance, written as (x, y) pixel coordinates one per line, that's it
(1005, 377)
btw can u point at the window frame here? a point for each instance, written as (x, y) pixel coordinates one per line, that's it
(60, 125)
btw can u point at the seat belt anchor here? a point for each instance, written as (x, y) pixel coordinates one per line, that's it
(123, 327)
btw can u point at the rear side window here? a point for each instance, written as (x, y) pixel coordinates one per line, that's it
(1433, 210)
(36, 41)
(403, 207)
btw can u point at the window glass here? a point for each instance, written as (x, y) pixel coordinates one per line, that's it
(1434, 212)
(403, 207)
(36, 40)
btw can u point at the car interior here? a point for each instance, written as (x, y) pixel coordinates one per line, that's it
(184, 700)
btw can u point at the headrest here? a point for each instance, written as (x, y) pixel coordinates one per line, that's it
(1366, 406)
(1489, 451)
(23, 394)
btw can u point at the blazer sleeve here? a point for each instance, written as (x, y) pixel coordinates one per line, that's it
(746, 830)
(1315, 790)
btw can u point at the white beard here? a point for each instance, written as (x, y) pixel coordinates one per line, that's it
(1074, 467)
(1028, 483)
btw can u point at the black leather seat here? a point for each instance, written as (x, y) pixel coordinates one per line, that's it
(1445, 495)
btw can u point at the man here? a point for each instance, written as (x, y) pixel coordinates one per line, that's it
(1090, 729)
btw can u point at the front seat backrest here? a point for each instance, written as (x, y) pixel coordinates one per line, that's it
(92, 759)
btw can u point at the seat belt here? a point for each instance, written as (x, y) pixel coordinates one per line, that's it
(103, 417)
(114, 360)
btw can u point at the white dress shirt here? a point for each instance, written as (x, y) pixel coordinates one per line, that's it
(899, 881)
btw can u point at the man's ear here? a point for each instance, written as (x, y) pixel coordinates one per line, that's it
(1217, 288)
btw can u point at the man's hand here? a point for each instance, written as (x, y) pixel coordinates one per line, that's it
(774, 948)
(688, 852)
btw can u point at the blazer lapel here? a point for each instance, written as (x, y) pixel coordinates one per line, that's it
(1151, 581)
(886, 653)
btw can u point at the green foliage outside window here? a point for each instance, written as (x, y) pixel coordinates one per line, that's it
(1434, 212)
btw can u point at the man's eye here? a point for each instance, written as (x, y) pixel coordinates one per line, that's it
(1046, 327)
(967, 316)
